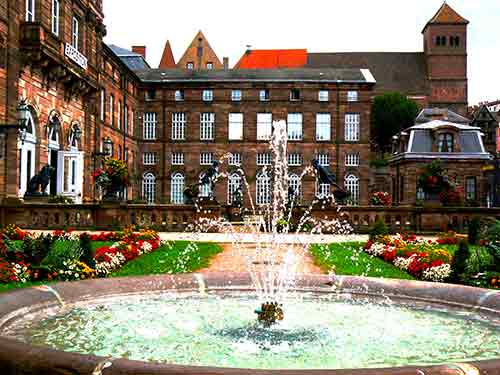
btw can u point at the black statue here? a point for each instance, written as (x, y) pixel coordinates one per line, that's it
(327, 177)
(39, 182)
(237, 198)
(209, 177)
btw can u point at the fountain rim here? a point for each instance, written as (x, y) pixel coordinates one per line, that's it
(17, 356)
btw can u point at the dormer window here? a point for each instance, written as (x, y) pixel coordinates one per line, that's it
(445, 142)
(190, 66)
(210, 66)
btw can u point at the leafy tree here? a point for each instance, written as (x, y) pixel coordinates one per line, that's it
(459, 261)
(391, 113)
(379, 229)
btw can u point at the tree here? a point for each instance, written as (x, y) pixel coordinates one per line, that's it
(391, 113)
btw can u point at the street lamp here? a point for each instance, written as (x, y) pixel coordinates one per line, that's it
(22, 115)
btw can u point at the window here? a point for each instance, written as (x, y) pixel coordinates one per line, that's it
(125, 154)
(206, 158)
(352, 127)
(125, 119)
(179, 95)
(75, 33)
(210, 66)
(55, 16)
(178, 126)
(236, 95)
(111, 110)
(454, 41)
(263, 189)
(207, 122)
(208, 95)
(352, 160)
(322, 190)
(352, 186)
(264, 126)
(205, 189)
(149, 188)
(264, 95)
(103, 104)
(295, 126)
(235, 159)
(323, 126)
(119, 152)
(470, 189)
(445, 142)
(352, 96)
(295, 94)
(190, 66)
(264, 159)
(30, 10)
(441, 40)
(235, 127)
(119, 114)
(295, 187)
(150, 94)
(295, 160)
(149, 158)
(323, 96)
(323, 159)
(233, 185)
(131, 129)
(27, 156)
(177, 158)
(420, 194)
(149, 130)
(177, 189)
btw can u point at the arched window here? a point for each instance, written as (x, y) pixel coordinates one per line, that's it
(205, 189)
(441, 40)
(295, 187)
(149, 187)
(445, 142)
(454, 41)
(352, 186)
(177, 189)
(322, 190)
(233, 185)
(27, 155)
(263, 192)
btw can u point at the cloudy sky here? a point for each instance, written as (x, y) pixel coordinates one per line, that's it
(318, 25)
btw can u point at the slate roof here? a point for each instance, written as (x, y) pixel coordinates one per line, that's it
(394, 71)
(133, 60)
(256, 75)
(273, 59)
(430, 114)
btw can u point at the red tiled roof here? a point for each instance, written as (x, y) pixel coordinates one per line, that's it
(447, 15)
(167, 59)
(273, 59)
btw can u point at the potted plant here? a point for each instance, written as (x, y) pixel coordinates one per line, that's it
(112, 177)
(381, 198)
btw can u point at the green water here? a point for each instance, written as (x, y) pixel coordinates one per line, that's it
(317, 333)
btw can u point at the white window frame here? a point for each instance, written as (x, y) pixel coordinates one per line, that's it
(30, 11)
(178, 126)
(264, 95)
(322, 190)
(294, 126)
(205, 190)
(236, 95)
(207, 95)
(263, 189)
(295, 160)
(75, 30)
(352, 185)
(323, 96)
(149, 187)
(323, 127)
(352, 96)
(125, 118)
(177, 182)
(206, 158)
(264, 159)
(352, 160)
(295, 183)
(352, 127)
(56, 9)
(207, 126)
(103, 104)
(149, 158)
(234, 159)
(264, 126)
(235, 127)
(323, 159)
(177, 158)
(149, 126)
(210, 66)
(234, 183)
(119, 114)
(179, 95)
(471, 194)
(111, 110)
(190, 65)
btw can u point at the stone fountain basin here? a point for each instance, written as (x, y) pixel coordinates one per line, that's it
(17, 358)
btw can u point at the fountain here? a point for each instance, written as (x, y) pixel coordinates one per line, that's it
(206, 324)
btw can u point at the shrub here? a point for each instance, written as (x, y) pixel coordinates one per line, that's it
(474, 227)
(459, 261)
(61, 199)
(379, 229)
(86, 249)
(61, 252)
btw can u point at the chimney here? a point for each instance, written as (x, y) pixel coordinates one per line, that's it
(225, 62)
(141, 50)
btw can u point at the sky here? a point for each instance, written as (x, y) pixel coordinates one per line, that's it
(316, 25)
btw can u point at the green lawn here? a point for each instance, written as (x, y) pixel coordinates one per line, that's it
(349, 259)
(182, 257)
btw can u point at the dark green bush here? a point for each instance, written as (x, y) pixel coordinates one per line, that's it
(379, 229)
(459, 261)
(86, 249)
(474, 228)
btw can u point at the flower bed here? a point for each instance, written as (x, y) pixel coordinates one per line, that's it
(424, 260)
(68, 257)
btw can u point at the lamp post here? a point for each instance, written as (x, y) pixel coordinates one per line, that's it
(107, 145)
(20, 126)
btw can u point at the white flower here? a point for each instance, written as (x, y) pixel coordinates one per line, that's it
(438, 274)
(403, 263)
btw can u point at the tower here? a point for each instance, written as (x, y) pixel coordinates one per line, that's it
(445, 49)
